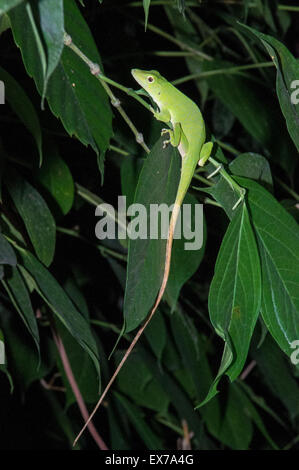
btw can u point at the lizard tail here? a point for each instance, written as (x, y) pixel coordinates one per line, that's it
(173, 220)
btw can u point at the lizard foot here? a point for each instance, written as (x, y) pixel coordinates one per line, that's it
(165, 143)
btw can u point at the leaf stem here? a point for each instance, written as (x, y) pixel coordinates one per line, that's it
(228, 177)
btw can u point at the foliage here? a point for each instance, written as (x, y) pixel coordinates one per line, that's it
(231, 308)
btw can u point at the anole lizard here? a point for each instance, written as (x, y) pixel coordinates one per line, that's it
(188, 135)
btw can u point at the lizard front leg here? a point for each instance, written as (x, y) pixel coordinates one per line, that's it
(175, 135)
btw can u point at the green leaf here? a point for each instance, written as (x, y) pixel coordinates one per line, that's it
(21, 300)
(136, 417)
(286, 80)
(36, 216)
(269, 360)
(175, 391)
(243, 98)
(156, 334)
(136, 381)
(234, 428)
(146, 256)
(7, 254)
(129, 173)
(73, 93)
(52, 26)
(22, 361)
(22, 106)
(61, 305)
(254, 166)
(6, 5)
(233, 312)
(277, 234)
(38, 29)
(191, 351)
(146, 5)
(56, 177)
(241, 95)
(27, 36)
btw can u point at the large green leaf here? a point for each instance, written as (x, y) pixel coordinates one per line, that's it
(56, 177)
(286, 79)
(157, 184)
(60, 304)
(278, 240)
(73, 93)
(36, 216)
(27, 36)
(22, 106)
(235, 294)
(137, 381)
(146, 257)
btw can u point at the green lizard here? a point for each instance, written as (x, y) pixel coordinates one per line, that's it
(188, 134)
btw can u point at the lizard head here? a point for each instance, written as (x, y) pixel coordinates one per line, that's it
(150, 80)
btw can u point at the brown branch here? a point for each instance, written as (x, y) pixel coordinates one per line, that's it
(74, 386)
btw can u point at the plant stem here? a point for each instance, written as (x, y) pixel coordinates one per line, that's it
(227, 147)
(103, 249)
(118, 150)
(95, 70)
(287, 188)
(228, 70)
(228, 178)
(202, 179)
(178, 42)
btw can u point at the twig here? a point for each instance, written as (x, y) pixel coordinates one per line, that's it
(96, 71)
(248, 369)
(74, 386)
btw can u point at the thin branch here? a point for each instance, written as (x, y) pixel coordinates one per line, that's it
(95, 70)
(72, 381)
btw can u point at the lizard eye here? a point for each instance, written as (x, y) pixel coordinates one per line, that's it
(150, 79)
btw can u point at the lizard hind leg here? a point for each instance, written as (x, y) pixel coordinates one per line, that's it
(205, 153)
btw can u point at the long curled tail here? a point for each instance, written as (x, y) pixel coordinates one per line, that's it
(173, 220)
